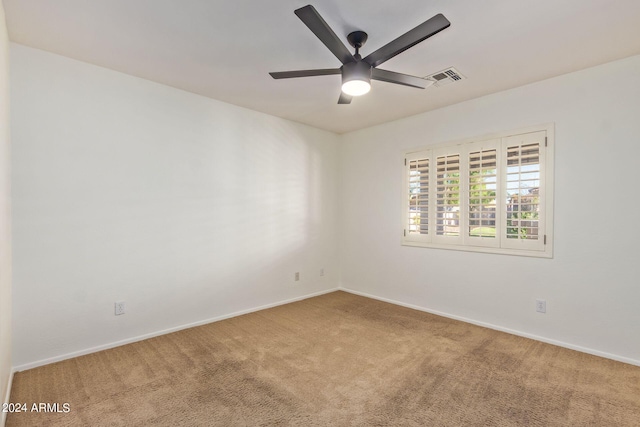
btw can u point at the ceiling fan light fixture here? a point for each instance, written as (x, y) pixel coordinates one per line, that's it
(356, 78)
(356, 87)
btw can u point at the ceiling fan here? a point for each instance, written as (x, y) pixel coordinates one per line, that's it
(356, 71)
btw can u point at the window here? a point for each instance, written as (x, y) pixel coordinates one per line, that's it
(484, 194)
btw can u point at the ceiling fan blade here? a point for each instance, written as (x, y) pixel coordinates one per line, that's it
(312, 19)
(304, 73)
(398, 78)
(408, 39)
(344, 98)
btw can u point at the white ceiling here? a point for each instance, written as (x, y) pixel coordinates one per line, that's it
(224, 49)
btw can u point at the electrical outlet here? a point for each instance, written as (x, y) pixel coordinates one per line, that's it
(541, 306)
(322, 271)
(119, 308)
(297, 277)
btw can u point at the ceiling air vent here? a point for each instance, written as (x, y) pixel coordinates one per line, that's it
(444, 77)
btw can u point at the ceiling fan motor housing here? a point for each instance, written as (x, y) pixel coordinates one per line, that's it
(358, 70)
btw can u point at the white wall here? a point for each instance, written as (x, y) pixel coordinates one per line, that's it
(184, 207)
(5, 209)
(591, 286)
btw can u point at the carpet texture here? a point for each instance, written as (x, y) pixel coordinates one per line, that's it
(334, 360)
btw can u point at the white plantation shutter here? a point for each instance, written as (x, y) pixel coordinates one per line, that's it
(482, 207)
(490, 195)
(523, 167)
(448, 191)
(416, 211)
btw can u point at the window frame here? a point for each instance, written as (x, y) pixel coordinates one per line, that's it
(500, 244)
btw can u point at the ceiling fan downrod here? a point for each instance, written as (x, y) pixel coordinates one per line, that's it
(357, 39)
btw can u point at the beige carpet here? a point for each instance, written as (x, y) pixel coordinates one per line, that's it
(334, 360)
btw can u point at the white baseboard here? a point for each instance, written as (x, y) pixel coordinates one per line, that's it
(502, 329)
(71, 355)
(7, 396)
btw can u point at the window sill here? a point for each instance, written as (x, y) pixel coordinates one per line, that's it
(547, 253)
